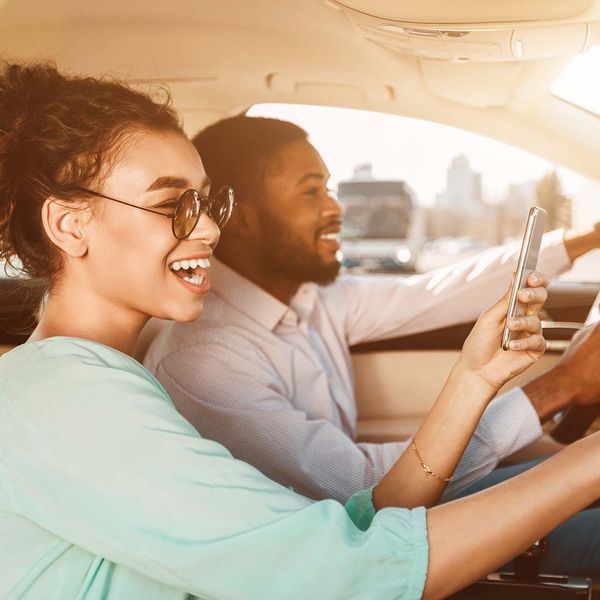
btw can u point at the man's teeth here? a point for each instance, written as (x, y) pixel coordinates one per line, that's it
(329, 236)
(194, 279)
(191, 264)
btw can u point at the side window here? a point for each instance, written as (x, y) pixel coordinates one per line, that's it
(419, 195)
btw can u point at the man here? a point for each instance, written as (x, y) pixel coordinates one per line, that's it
(267, 371)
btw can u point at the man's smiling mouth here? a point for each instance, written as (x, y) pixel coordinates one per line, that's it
(330, 232)
(330, 236)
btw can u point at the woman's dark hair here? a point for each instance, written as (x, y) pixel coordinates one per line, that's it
(235, 151)
(58, 133)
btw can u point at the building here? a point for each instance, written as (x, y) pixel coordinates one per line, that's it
(382, 224)
(460, 211)
(375, 209)
(463, 185)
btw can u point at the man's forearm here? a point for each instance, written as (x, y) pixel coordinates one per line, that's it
(548, 394)
(579, 242)
(573, 380)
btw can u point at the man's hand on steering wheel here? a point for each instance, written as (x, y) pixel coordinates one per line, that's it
(573, 382)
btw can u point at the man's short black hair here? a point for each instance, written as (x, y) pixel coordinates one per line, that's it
(235, 151)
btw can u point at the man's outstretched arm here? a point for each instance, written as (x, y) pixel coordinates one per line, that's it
(581, 241)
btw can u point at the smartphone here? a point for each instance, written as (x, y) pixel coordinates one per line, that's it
(530, 249)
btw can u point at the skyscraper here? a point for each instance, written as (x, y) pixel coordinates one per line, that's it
(463, 185)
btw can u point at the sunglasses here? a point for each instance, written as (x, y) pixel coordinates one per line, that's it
(188, 209)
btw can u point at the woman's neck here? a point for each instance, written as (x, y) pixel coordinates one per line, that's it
(75, 313)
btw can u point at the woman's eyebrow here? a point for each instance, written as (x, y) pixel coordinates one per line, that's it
(174, 182)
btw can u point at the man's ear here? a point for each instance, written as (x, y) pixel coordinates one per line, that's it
(243, 220)
(65, 226)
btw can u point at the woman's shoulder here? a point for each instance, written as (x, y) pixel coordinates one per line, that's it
(69, 359)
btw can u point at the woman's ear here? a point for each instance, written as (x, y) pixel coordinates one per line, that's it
(65, 226)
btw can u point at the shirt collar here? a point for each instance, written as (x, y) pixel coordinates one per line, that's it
(304, 300)
(253, 301)
(245, 295)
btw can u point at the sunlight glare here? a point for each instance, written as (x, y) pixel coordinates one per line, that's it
(579, 83)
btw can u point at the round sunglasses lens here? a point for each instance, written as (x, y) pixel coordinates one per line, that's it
(187, 214)
(222, 206)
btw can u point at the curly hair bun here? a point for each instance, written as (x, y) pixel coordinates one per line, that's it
(56, 132)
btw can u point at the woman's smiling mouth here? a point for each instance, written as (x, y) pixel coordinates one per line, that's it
(191, 272)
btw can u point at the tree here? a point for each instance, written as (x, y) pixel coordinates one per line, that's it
(550, 197)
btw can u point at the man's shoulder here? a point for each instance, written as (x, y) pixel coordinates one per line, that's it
(343, 286)
(221, 329)
(218, 317)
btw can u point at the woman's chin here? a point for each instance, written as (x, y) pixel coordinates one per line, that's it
(186, 314)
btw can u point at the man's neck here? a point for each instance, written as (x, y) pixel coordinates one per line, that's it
(277, 285)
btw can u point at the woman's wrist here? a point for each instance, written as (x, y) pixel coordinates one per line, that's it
(469, 379)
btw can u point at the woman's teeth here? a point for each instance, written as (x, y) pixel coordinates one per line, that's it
(181, 266)
(191, 264)
(329, 236)
(194, 279)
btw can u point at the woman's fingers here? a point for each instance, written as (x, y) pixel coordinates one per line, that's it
(532, 343)
(536, 280)
(527, 324)
(530, 330)
(535, 294)
(533, 297)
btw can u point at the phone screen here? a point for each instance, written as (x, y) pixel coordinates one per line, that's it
(530, 249)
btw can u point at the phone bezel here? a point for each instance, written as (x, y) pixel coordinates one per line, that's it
(529, 241)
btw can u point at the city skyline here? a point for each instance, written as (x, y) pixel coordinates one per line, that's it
(419, 152)
(464, 185)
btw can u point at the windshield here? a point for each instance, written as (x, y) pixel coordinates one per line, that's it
(418, 195)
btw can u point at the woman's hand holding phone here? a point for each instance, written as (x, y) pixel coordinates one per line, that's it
(483, 367)
(482, 354)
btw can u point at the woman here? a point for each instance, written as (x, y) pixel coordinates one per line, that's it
(105, 491)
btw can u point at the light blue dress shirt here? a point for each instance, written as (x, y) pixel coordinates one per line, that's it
(107, 492)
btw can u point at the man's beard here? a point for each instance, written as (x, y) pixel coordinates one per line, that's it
(286, 254)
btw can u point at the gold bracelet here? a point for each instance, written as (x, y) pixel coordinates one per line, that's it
(427, 468)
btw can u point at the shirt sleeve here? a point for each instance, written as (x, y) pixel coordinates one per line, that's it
(95, 453)
(508, 424)
(380, 307)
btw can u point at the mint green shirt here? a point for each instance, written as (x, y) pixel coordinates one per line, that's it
(107, 492)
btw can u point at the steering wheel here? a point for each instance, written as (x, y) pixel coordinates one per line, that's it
(578, 419)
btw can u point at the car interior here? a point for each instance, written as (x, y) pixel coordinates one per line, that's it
(483, 67)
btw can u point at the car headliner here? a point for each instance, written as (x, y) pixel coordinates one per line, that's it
(219, 58)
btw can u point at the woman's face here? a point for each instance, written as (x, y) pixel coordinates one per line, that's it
(132, 252)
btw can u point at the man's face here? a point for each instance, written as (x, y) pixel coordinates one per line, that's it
(298, 220)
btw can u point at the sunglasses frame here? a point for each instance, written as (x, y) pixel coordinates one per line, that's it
(203, 204)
